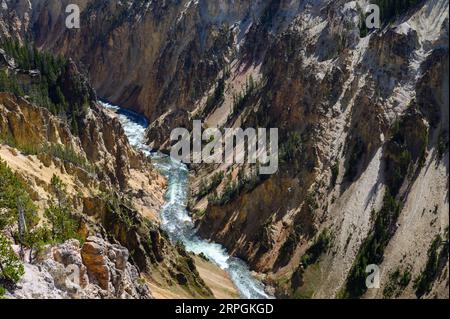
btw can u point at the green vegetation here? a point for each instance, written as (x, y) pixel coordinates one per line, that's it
(240, 100)
(437, 256)
(233, 189)
(120, 208)
(401, 154)
(357, 152)
(398, 281)
(67, 154)
(2, 292)
(10, 83)
(291, 148)
(443, 143)
(268, 14)
(62, 152)
(372, 249)
(11, 268)
(24, 148)
(64, 225)
(18, 215)
(389, 10)
(42, 79)
(205, 188)
(50, 87)
(363, 30)
(320, 246)
(334, 174)
(13, 191)
(45, 92)
(289, 246)
(405, 150)
(16, 206)
(400, 159)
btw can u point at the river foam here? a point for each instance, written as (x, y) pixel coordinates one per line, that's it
(175, 219)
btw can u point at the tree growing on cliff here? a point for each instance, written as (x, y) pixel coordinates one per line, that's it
(11, 268)
(64, 225)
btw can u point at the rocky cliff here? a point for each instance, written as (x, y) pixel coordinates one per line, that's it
(59, 145)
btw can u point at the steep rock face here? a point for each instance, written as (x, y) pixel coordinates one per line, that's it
(363, 129)
(134, 51)
(361, 119)
(114, 189)
(150, 249)
(30, 126)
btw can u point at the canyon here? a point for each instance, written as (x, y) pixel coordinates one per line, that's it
(363, 133)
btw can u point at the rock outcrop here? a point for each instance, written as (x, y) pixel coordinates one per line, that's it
(96, 269)
(112, 188)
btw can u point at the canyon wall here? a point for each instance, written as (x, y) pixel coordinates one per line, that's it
(363, 121)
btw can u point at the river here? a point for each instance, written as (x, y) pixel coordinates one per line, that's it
(175, 219)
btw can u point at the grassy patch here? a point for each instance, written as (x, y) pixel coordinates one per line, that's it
(64, 224)
(68, 154)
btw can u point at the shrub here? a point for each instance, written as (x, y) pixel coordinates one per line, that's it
(64, 225)
(319, 247)
(12, 191)
(334, 174)
(47, 91)
(442, 147)
(11, 268)
(10, 83)
(67, 154)
(208, 188)
(291, 148)
(56, 89)
(233, 189)
(354, 158)
(389, 10)
(242, 98)
(424, 282)
(311, 256)
(398, 281)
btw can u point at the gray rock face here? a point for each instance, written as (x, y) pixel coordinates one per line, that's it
(97, 269)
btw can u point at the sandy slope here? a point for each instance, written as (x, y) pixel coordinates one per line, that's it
(215, 278)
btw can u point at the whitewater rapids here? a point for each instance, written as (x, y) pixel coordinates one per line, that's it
(175, 219)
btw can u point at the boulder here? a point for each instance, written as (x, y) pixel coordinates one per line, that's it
(94, 255)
